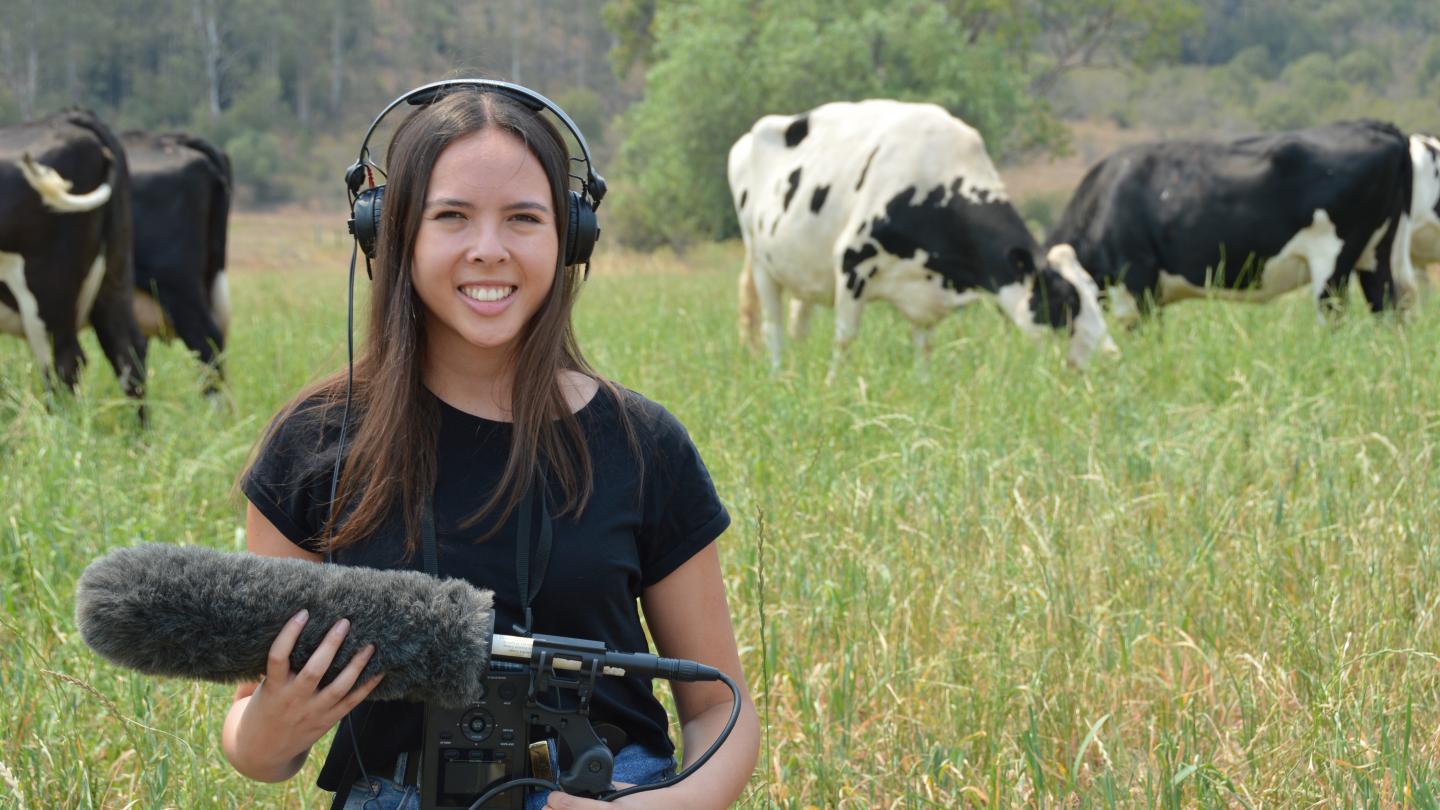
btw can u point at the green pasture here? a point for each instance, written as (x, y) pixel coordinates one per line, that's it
(1204, 574)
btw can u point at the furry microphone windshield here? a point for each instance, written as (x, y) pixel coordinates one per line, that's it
(199, 613)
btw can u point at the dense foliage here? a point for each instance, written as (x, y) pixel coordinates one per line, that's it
(286, 88)
(715, 66)
(665, 86)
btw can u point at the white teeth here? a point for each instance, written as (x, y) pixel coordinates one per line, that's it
(487, 293)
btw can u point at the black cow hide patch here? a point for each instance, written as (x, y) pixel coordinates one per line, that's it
(796, 132)
(817, 200)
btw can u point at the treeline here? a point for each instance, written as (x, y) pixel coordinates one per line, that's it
(287, 87)
(1011, 68)
(663, 87)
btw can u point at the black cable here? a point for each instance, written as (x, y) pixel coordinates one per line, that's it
(664, 783)
(705, 757)
(349, 390)
(513, 783)
(339, 453)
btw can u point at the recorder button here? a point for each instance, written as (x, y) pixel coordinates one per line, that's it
(477, 725)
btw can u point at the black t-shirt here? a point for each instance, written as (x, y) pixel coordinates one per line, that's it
(646, 517)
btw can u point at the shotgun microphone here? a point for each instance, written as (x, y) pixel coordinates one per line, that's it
(198, 613)
(193, 612)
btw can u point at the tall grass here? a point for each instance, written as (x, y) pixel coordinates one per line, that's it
(1201, 575)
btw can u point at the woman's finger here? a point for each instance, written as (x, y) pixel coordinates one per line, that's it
(356, 697)
(324, 654)
(277, 663)
(347, 677)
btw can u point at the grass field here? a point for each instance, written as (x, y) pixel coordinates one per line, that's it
(1206, 574)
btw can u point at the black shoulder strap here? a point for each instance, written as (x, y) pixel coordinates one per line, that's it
(428, 551)
(527, 590)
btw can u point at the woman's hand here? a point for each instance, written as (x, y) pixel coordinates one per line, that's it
(268, 733)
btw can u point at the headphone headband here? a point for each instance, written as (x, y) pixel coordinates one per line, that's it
(593, 186)
(365, 205)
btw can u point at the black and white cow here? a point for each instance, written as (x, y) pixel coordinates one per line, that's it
(1249, 219)
(182, 187)
(880, 199)
(65, 245)
(1424, 219)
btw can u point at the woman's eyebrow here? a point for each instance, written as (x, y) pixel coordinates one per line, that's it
(447, 202)
(528, 205)
(453, 202)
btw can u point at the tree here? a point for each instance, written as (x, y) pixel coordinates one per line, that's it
(1365, 67)
(1083, 33)
(721, 64)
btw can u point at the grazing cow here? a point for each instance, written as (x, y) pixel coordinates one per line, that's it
(182, 191)
(1424, 220)
(885, 200)
(1248, 220)
(64, 253)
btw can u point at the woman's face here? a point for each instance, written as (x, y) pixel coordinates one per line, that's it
(485, 254)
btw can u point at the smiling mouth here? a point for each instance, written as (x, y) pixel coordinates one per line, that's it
(488, 293)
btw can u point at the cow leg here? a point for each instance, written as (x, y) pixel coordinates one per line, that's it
(1379, 289)
(1135, 293)
(1403, 276)
(1145, 300)
(69, 357)
(772, 315)
(920, 337)
(189, 314)
(848, 307)
(1334, 293)
(120, 339)
(749, 303)
(12, 275)
(800, 318)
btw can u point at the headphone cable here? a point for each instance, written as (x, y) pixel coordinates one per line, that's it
(339, 454)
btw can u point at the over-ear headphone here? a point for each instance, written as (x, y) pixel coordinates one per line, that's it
(582, 230)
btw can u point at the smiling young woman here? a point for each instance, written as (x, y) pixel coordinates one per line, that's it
(470, 390)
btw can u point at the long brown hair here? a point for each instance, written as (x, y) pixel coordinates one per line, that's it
(391, 459)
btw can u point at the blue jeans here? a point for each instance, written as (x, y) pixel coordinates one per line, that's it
(634, 764)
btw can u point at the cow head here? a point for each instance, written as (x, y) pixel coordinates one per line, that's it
(1064, 296)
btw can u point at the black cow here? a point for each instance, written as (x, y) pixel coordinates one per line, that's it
(1249, 219)
(65, 257)
(182, 188)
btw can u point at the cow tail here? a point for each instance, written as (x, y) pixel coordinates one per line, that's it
(1406, 286)
(119, 226)
(749, 305)
(219, 164)
(112, 314)
(1392, 282)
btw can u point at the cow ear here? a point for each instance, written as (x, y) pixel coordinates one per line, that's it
(1022, 260)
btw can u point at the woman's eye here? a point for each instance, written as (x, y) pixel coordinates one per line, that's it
(448, 215)
(526, 218)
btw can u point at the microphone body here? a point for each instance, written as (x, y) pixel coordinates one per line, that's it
(193, 612)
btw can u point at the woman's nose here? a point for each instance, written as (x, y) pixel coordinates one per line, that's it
(486, 246)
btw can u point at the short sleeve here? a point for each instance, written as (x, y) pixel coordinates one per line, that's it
(289, 480)
(682, 512)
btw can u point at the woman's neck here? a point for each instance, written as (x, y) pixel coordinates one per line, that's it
(482, 390)
(485, 390)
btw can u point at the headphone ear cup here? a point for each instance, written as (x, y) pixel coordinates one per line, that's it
(583, 231)
(365, 219)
